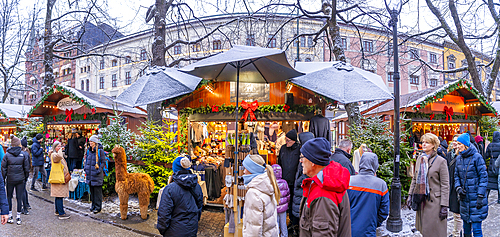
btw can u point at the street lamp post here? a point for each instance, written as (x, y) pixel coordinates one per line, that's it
(394, 223)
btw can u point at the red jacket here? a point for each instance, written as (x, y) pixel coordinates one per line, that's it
(325, 208)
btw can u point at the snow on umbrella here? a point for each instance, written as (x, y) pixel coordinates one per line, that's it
(256, 64)
(347, 84)
(160, 83)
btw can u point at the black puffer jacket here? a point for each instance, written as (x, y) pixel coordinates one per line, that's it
(443, 146)
(95, 177)
(492, 152)
(288, 159)
(180, 206)
(454, 205)
(71, 149)
(344, 159)
(15, 166)
(299, 177)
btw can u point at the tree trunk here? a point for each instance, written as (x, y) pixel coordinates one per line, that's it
(159, 50)
(48, 49)
(352, 109)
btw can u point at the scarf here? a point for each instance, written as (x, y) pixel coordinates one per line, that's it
(421, 188)
(254, 168)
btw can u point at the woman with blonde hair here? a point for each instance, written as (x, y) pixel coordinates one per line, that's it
(260, 216)
(429, 189)
(59, 190)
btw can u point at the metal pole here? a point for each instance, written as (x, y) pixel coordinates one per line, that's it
(394, 223)
(298, 39)
(235, 186)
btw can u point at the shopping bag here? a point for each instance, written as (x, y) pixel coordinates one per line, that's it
(57, 173)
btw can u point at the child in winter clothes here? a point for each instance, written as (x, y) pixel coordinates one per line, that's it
(284, 200)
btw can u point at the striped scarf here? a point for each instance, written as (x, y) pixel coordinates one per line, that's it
(421, 189)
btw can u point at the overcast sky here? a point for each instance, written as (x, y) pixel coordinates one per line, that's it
(129, 15)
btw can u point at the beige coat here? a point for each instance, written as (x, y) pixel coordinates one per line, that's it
(260, 216)
(59, 190)
(427, 220)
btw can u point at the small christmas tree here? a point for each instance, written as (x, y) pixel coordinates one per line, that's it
(117, 133)
(30, 128)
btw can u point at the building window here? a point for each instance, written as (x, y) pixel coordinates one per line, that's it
(368, 45)
(271, 41)
(310, 41)
(433, 58)
(433, 82)
(414, 54)
(144, 54)
(113, 80)
(82, 85)
(67, 54)
(88, 68)
(142, 72)
(81, 70)
(114, 63)
(390, 77)
(20, 101)
(302, 41)
(101, 64)
(88, 85)
(128, 60)
(308, 60)
(12, 100)
(296, 43)
(250, 40)
(128, 80)
(344, 43)
(196, 47)
(451, 65)
(217, 45)
(101, 82)
(177, 50)
(389, 48)
(414, 80)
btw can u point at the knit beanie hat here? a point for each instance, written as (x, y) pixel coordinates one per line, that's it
(39, 136)
(292, 135)
(181, 163)
(73, 130)
(478, 139)
(317, 150)
(14, 141)
(94, 139)
(24, 142)
(464, 139)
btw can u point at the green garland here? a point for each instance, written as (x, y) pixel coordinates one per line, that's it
(64, 91)
(419, 115)
(78, 117)
(453, 87)
(2, 114)
(183, 131)
(280, 108)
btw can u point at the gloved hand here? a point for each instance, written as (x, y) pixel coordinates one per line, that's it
(479, 202)
(443, 214)
(460, 193)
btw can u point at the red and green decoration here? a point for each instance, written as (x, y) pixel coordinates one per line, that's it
(2, 114)
(443, 116)
(279, 108)
(461, 84)
(102, 117)
(64, 91)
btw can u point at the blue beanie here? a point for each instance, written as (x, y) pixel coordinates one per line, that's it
(317, 150)
(181, 163)
(464, 139)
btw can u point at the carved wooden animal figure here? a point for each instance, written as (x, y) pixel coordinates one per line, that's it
(126, 184)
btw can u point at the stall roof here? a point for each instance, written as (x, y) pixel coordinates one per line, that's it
(421, 98)
(15, 111)
(91, 100)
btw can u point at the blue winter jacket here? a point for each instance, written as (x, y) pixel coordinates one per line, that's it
(471, 175)
(180, 206)
(492, 152)
(4, 205)
(369, 198)
(36, 153)
(95, 177)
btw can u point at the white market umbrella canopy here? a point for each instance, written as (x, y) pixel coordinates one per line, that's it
(160, 83)
(344, 83)
(256, 65)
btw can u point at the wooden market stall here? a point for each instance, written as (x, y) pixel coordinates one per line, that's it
(10, 114)
(447, 110)
(64, 108)
(207, 124)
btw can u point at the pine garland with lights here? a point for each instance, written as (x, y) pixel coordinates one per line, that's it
(64, 91)
(78, 117)
(279, 108)
(460, 84)
(419, 115)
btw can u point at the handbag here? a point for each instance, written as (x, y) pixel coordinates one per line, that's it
(67, 178)
(57, 173)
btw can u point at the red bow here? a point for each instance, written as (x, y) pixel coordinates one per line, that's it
(68, 115)
(250, 108)
(85, 116)
(215, 109)
(449, 113)
(431, 117)
(286, 107)
(93, 110)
